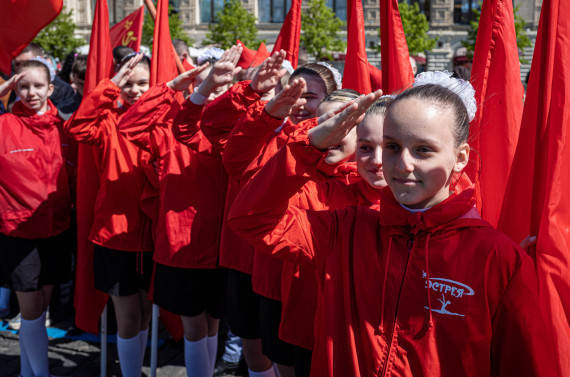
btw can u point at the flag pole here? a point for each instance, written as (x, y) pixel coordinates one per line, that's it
(152, 10)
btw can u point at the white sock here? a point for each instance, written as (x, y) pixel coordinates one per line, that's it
(34, 337)
(130, 356)
(267, 373)
(213, 350)
(143, 338)
(25, 367)
(276, 369)
(197, 358)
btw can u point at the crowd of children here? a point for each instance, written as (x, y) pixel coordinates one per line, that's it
(336, 233)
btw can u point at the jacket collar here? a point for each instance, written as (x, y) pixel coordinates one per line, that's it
(35, 121)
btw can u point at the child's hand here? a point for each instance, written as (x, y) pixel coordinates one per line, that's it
(269, 73)
(10, 84)
(222, 72)
(183, 81)
(281, 105)
(331, 131)
(126, 71)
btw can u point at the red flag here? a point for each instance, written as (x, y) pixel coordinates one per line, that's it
(397, 73)
(21, 22)
(163, 64)
(128, 32)
(495, 75)
(536, 200)
(260, 55)
(375, 77)
(89, 302)
(356, 75)
(290, 35)
(247, 56)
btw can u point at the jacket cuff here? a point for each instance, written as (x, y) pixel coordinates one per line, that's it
(244, 90)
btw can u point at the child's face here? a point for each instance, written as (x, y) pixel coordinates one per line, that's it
(369, 150)
(420, 152)
(77, 84)
(34, 89)
(314, 94)
(137, 84)
(345, 150)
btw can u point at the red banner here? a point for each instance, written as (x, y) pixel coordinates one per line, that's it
(128, 32)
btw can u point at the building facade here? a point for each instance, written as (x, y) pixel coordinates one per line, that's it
(448, 20)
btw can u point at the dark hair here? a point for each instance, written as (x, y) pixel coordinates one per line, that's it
(34, 48)
(144, 61)
(66, 66)
(120, 52)
(444, 97)
(180, 46)
(79, 67)
(320, 71)
(342, 95)
(380, 106)
(35, 64)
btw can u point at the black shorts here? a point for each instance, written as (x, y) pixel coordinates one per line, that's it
(190, 291)
(274, 348)
(302, 362)
(243, 306)
(27, 265)
(121, 273)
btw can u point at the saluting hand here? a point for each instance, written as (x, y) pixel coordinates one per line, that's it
(183, 81)
(282, 104)
(222, 72)
(10, 84)
(126, 71)
(331, 130)
(269, 73)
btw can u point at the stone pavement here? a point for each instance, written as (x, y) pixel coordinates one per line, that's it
(76, 354)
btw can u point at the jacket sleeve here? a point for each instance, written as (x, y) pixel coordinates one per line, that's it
(145, 123)
(88, 123)
(262, 213)
(187, 123)
(220, 116)
(523, 342)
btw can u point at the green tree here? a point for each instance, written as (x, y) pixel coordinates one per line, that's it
(174, 24)
(233, 22)
(415, 26)
(522, 38)
(319, 30)
(58, 39)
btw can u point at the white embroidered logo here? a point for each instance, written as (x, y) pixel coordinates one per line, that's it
(448, 287)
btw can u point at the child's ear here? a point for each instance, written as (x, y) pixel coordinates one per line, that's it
(462, 157)
(50, 89)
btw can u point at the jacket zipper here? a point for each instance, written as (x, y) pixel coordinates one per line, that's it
(410, 245)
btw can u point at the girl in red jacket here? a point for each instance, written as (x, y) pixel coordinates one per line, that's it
(34, 209)
(422, 287)
(120, 231)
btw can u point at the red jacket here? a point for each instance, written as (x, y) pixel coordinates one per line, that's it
(191, 180)
(118, 220)
(439, 293)
(34, 190)
(325, 186)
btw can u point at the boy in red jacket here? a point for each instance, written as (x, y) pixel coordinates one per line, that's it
(424, 286)
(35, 207)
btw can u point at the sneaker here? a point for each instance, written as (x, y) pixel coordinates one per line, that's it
(15, 323)
(224, 368)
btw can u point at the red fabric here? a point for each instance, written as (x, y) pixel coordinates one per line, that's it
(536, 201)
(187, 66)
(128, 31)
(163, 63)
(187, 230)
(356, 75)
(21, 22)
(290, 35)
(397, 74)
(260, 55)
(247, 56)
(89, 303)
(118, 222)
(396, 294)
(34, 191)
(499, 92)
(375, 77)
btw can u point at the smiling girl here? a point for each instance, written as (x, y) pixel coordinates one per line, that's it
(35, 208)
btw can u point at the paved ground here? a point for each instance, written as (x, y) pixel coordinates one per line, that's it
(77, 354)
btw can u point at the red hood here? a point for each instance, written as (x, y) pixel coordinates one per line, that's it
(35, 121)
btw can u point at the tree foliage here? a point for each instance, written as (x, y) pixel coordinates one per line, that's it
(174, 24)
(58, 38)
(319, 30)
(523, 40)
(415, 26)
(233, 22)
